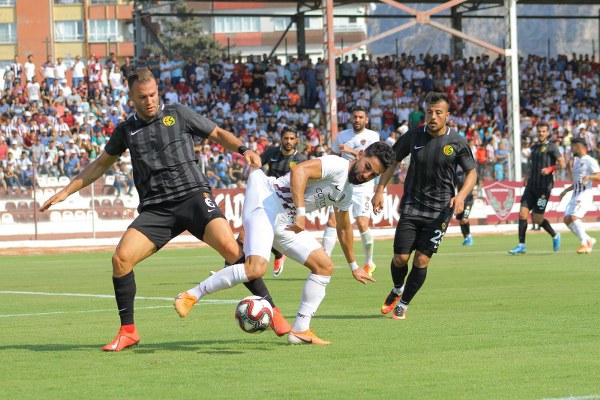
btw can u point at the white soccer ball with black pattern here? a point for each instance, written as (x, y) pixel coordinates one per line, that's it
(254, 314)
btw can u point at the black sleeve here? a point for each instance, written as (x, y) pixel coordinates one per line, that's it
(402, 146)
(554, 153)
(117, 144)
(264, 156)
(465, 155)
(196, 124)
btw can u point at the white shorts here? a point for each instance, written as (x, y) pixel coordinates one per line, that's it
(265, 223)
(361, 204)
(580, 204)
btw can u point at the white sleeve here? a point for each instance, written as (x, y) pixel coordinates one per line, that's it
(332, 167)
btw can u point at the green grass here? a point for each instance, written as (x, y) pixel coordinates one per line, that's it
(486, 325)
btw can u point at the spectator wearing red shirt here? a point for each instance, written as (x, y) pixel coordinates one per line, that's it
(68, 118)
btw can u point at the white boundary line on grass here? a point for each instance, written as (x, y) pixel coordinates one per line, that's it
(102, 296)
(73, 312)
(110, 296)
(588, 397)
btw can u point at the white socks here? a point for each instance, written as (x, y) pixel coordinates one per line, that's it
(222, 279)
(312, 296)
(577, 227)
(367, 242)
(329, 238)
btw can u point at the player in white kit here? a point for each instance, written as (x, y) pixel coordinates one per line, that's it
(349, 144)
(585, 170)
(274, 215)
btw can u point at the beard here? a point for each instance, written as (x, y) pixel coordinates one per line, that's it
(353, 176)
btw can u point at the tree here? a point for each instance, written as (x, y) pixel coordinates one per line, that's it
(184, 35)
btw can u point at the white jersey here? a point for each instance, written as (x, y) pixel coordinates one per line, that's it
(357, 142)
(269, 209)
(586, 165)
(333, 188)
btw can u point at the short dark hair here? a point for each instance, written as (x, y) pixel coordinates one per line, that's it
(436, 97)
(578, 141)
(382, 151)
(542, 124)
(141, 75)
(359, 108)
(289, 129)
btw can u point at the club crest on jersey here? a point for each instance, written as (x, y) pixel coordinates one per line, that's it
(363, 142)
(169, 120)
(293, 163)
(448, 150)
(543, 149)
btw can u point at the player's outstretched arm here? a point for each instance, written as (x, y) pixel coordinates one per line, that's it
(89, 174)
(232, 143)
(346, 238)
(384, 179)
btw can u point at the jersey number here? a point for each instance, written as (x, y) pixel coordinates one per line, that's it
(209, 203)
(542, 203)
(439, 235)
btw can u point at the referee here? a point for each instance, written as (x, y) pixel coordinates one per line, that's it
(429, 198)
(174, 193)
(545, 158)
(279, 160)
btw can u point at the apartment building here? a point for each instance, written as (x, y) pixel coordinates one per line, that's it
(65, 28)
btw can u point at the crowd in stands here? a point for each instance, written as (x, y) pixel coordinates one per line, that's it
(55, 117)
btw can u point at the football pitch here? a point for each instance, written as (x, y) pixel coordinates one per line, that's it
(486, 325)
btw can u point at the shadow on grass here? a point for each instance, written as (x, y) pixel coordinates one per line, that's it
(203, 346)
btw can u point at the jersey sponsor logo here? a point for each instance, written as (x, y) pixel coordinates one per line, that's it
(169, 120)
(134, 132)
(448, 150)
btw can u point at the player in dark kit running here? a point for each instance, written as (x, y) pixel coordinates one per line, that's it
(545, 158)
(174, 193)
(279, 160)
(429, 198)
(463, 217)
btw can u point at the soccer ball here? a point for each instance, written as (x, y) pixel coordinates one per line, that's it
(254, 314)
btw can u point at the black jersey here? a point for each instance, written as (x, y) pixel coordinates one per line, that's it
(162, 153)
(430, 178)
(542, 155)
(278, 163)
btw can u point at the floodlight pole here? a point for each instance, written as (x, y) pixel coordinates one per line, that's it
(330, 77)
(512, 85)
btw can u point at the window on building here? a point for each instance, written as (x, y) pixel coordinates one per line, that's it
(104, 31)
(7, 3)
(8, 33)
(102, 2)
(67, 2)
(68, 31)
(237, 24)
(309, 24)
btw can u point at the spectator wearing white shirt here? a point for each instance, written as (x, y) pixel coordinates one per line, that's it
(78, 71)
(29, 68)
(60, 71)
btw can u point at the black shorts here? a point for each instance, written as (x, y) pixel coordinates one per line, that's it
(424, 235)
(535, 199)
(467, 210)
(162, 222)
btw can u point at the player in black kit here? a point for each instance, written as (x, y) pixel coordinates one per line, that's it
(429, 198)
(463, 217)
(545, 158)
(174, 193)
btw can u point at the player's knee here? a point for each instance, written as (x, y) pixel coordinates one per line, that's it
(121, 265)
(255, 267)
(567, 219)
(400, 260)
(232, 251)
